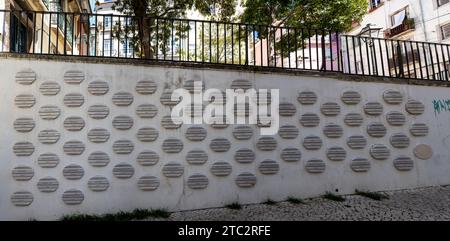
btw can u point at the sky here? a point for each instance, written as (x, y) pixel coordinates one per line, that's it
(93, 4)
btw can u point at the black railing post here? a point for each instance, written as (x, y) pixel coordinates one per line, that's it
(95, 37)
(361, 55)
(420, 61)
(73, 33)
(400, 59)
(448, 60)
(445, 77)
(57, 33)
(331, 49)
(172, 40)
(42, 32)
(225, 42)
(303, 48)
(348, 55)
(413, 59)
(188, 42)
(157, 40)
(49, 34)
(438, 63)
(407, 60)
(296, 47)
(432, 61)
(203, 42)
(426, 60)
(323, 45)
(119, 34)
(317, 49)
(254, 48)
(381, 56)
(34, 32)
(210, 42)
(246, 45)
(288, 47)
(369, 60)
(3, 28)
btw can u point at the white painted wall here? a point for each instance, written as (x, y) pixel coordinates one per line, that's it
(173, 193)
(427, 15)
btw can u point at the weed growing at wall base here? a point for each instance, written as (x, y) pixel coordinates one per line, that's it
(137, 214)
(372, 195)
(294, 200)
(333, 197)
(235, 206)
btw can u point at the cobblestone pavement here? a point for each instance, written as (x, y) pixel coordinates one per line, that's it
(431, 203)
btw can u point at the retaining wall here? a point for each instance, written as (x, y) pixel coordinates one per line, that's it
(86, 137)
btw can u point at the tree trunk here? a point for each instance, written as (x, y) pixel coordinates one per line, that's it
(271, 45)
(324, 63)
(144, 37)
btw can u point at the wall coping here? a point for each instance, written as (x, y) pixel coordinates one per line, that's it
(211, 66)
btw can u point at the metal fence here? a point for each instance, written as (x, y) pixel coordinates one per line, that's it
(184, 40)
(395, 58)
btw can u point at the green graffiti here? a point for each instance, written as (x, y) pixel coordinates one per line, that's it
(441, 106)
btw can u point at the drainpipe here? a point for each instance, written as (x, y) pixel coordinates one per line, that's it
(422, 19)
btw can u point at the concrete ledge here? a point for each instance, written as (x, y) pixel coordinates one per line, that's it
(212, 66)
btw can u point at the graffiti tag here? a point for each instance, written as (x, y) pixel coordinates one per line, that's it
(441, 106)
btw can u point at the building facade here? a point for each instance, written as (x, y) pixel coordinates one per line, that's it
(417, 20)
(400, 38)
(320, 51)
(103, 31)
(175, 41)
(44, 26)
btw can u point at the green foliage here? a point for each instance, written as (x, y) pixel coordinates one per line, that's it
(151, 37)
(372, 195)
(333, 197)
(223, 10)
(294, 200)
(153, 30)
(221, 43)
(301, 19)
(137, 214)
(337, 15)
(270, 202)
(234, 206)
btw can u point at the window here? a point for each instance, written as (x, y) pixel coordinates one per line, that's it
(128, 21)
(445, 31)
(107, 47)
(373, 4)
(398, 18)
(107, 22)
(442, 2)
(127, 48)
(54, 5)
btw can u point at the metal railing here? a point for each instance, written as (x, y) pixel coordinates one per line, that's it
(212, 42)
(395, 58)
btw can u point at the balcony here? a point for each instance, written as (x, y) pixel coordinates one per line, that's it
(407, 25)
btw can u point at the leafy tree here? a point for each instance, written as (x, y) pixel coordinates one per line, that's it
(320, 16)
(337, 15)
(152, 26)
(220, 43)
